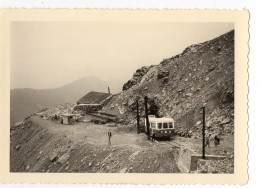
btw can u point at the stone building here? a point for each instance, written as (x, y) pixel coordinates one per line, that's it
(93, 101)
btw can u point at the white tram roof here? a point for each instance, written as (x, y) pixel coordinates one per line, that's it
(160, 119)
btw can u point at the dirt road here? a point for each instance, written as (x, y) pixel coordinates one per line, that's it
(47, 146)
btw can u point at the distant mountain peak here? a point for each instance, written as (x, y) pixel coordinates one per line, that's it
(26, 101)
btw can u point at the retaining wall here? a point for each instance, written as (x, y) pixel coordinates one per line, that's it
(187, 161)
(195, 158)
(88, 107)
(183, 158)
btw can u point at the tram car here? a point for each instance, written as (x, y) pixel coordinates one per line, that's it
(160, 127)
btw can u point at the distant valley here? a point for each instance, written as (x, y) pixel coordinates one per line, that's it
(26, 101)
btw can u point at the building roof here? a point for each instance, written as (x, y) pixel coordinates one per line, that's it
(94, 98)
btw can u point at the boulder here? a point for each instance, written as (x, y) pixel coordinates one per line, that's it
(17, 147)
(124, 170)
(189, 94)
(53, 157)
(62, 159)
(180, 90)
(166, 80)
(18, 124)
(209, 123)
(27, 167)
(198, 123)
(162, 74)
(211, 68)
(225, 121)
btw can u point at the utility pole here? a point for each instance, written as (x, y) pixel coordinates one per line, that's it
(137, 117)
(203, 133)
(108, 89)
(146, 116)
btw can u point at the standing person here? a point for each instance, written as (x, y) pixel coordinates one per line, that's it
(153, 137)
(208, 140)
(216, 140)
(109, 138)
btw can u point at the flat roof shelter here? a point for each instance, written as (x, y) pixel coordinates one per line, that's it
(67, 119)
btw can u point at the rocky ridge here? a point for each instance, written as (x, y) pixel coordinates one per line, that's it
(137, 77)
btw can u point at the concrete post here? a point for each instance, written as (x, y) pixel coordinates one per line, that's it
(203, 133)
(147, 118)
(137, 117)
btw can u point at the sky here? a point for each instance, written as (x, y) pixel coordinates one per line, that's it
(52, 54)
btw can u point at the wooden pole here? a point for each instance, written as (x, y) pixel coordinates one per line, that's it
(146, 116)
(137, 117)
(203, 133)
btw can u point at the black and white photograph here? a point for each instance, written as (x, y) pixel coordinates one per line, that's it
(122, 97)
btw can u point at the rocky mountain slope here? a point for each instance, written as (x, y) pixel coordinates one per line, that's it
(179, 86)
(26, 101)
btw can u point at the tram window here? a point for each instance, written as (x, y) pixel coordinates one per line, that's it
(165, 125)
(159, 125)
(153, 125)
(170, 125)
